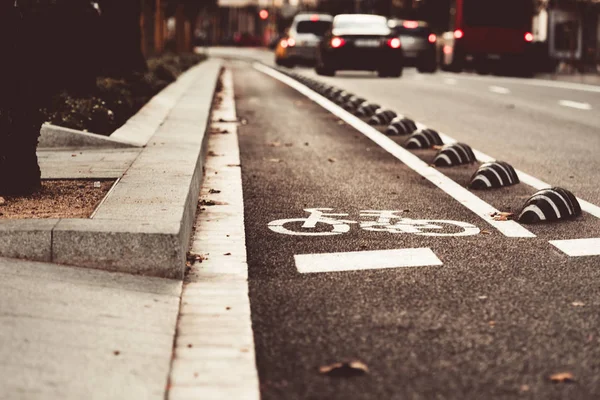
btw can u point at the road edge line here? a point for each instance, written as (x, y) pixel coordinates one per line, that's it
(214, 353)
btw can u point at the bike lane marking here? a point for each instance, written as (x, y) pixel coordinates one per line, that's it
(390, 221)
(366, 260)
(578, 247)
(453, 189)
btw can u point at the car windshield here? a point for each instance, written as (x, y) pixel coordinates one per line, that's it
(360, 22)
(515, 14)
(416, 32)
(318, 28)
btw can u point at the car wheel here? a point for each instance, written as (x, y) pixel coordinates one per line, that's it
(427, 68)
(324, 70)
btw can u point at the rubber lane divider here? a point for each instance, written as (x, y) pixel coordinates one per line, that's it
(523, 176)
(453, 189)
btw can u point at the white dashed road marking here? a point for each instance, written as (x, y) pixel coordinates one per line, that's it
(575, 104)
(499, 90)
(578, 247)
(214, 349)
(453, 189)
(366, 260)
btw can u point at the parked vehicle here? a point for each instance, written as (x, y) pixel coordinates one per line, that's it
(488, 32)
(418, 43)
(360, 42)
(300, 44)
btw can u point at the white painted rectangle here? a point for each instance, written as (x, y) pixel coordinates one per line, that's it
(364, 260)
(575, 104)
(578, 247)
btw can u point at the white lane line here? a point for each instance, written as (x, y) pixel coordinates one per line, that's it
(365, 260)
(575, 104)
(214, 347)
(523, 176)
(537, 82)
(450, 81)
(453, 189)
(578, 247)
(499, 90)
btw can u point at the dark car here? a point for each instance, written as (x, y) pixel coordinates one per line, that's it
(418, 43)
(360, 42)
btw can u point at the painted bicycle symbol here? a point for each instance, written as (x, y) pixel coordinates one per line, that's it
(322, 222)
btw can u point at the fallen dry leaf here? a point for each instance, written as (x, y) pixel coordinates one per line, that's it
(345, 369)
(578, 304)
(227, 254)
(2, 201)
(214, 191)
(484, 232)
(492, 323)
(274, 144)
(331, 160)
(562, 377)
(275, 160)
(482, 297)
(193, 257)
(524, 388)
(503, 216)
(213, 154)
(289, 144)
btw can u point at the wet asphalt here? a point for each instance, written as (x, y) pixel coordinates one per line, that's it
(494, 321)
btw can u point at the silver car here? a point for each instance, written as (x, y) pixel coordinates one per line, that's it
(300, 44)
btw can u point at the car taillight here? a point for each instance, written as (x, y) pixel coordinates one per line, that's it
(394, 43)
(337, 42)
(432, 38)
(314, 18)
(283, 43)
(410, 24)
(291, 42)
(458, 34)
(529, 37)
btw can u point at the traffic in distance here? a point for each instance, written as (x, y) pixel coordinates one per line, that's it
(483, 36)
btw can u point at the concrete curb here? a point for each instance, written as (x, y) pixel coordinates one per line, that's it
(144, 224)
(52, 136)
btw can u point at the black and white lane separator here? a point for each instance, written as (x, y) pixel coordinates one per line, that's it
(459, 193)
(494, 175)
(423, 139)
(550, 205)
(454, 154)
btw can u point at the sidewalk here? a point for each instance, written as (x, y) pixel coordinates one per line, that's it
(104, 328)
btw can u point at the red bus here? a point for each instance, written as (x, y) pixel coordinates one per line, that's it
(488, 32)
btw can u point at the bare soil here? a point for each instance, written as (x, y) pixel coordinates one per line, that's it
(57, 199)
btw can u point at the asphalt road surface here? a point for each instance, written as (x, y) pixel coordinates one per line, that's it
(439, 301)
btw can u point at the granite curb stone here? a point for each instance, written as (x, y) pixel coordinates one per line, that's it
(145, 223)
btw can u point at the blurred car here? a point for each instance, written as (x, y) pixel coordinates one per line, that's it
(360, 42)
(418, 43)
(303, 37)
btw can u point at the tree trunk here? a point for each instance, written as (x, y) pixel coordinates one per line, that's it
(121, 36)
(20, 120)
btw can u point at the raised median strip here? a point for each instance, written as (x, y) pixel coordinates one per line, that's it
(144, 224)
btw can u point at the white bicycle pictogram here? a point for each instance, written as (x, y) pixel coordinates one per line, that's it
(390, 221)
(317, 215)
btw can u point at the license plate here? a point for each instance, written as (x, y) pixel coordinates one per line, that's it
(367, 43)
